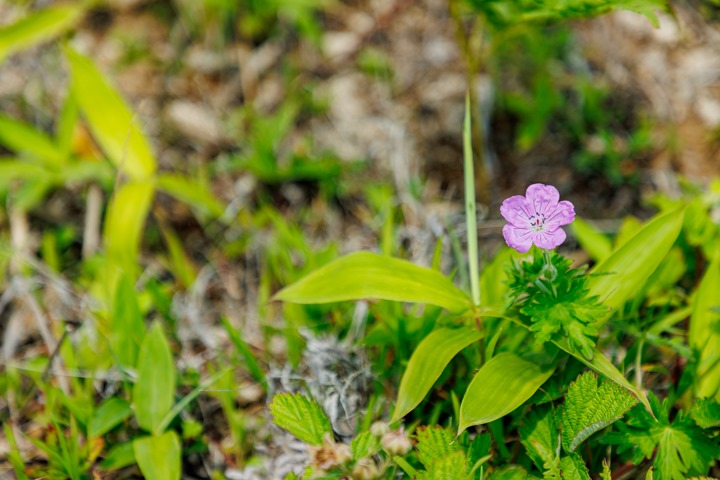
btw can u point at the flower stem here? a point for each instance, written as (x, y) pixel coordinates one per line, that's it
(470, 208)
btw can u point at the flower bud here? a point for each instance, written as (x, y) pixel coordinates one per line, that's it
(329, 455)
(378, 429)
(365, 469)
(396, 443)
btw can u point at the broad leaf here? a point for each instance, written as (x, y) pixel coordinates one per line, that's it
(427, 363)
(159, 457)
(502, 384)
(617, 278)
(573, 468)
(154, 390)
(300, 416)
(589, 408)
(704, 333)
(368, 275)
(539, 436)
(38, 27)
(113, 125)
(109, 415)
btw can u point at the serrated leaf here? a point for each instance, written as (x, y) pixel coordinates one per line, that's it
(706, 413)
(512, 472)
(434, 443)
(300, 416)
(159, 457)
(38, 27)
(617, 278)
(365, 445)
(589, 408)
(364, 275)
(154, 389)
(449, 467)
(540, 437)
(573, 467)
(499, 387)
(427, 364)
(113, 125)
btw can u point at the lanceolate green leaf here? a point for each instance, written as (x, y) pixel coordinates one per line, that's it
(501, 385)
(368, 275)
(38, 27)
(427, 363)
(625, 271)
(26, 140)
(704, 333)
(113, 125)
(192, 192)
(593, 241)
(154, 390)
(159, 457)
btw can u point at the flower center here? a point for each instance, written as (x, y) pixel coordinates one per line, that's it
(537, 222)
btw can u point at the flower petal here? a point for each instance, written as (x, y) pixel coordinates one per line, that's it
(563, 214)
(516, 211)
(518, 238)
(549, 239)
(543, 198)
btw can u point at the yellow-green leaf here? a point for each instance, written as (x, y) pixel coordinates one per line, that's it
(159, 457)
(618, 277)
(23, 139)
(38, 27)
(192, 192)
(114, 126)
(593, 241)
(154, 389)
(427, 363)
(499, 387)
(368, 275)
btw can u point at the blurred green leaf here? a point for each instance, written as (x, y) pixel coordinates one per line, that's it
(108, 415)
(119, 456)
(593, 241)
(127, 325)
(154, 389)
(499, 387)
(617, 278)
(159, 457)
(368, 275)
(113, 125)
(180, 264)
(704, 334)
(192, 192)
(427, 363)
(39, 27)
(24, 140)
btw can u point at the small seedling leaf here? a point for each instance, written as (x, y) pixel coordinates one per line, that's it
(300, 416)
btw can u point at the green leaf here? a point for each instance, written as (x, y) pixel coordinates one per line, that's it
(154, 390)
(159, 457)
(119, 456)
(434, 443)
(539, 436)
(300, 416)
(368, 275)
(704, 334)
(127, 324)
(512, 472)
(244, 351)
(124, 224)
(589, 408)
(594, 242)
(600, 364)
(365, 445)
(449, 467)
(572, 467)
(38, 27)
(618, 277)
(110, 414)
(427, 363)
(192, 192)
(502, 384)
(113, 125)
(26, 140)
(706, 413)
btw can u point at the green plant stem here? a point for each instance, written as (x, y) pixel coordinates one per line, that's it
(470, 208)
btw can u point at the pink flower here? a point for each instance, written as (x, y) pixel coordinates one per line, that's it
(536, 218)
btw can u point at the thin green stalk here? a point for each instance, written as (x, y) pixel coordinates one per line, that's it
(470, 208)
